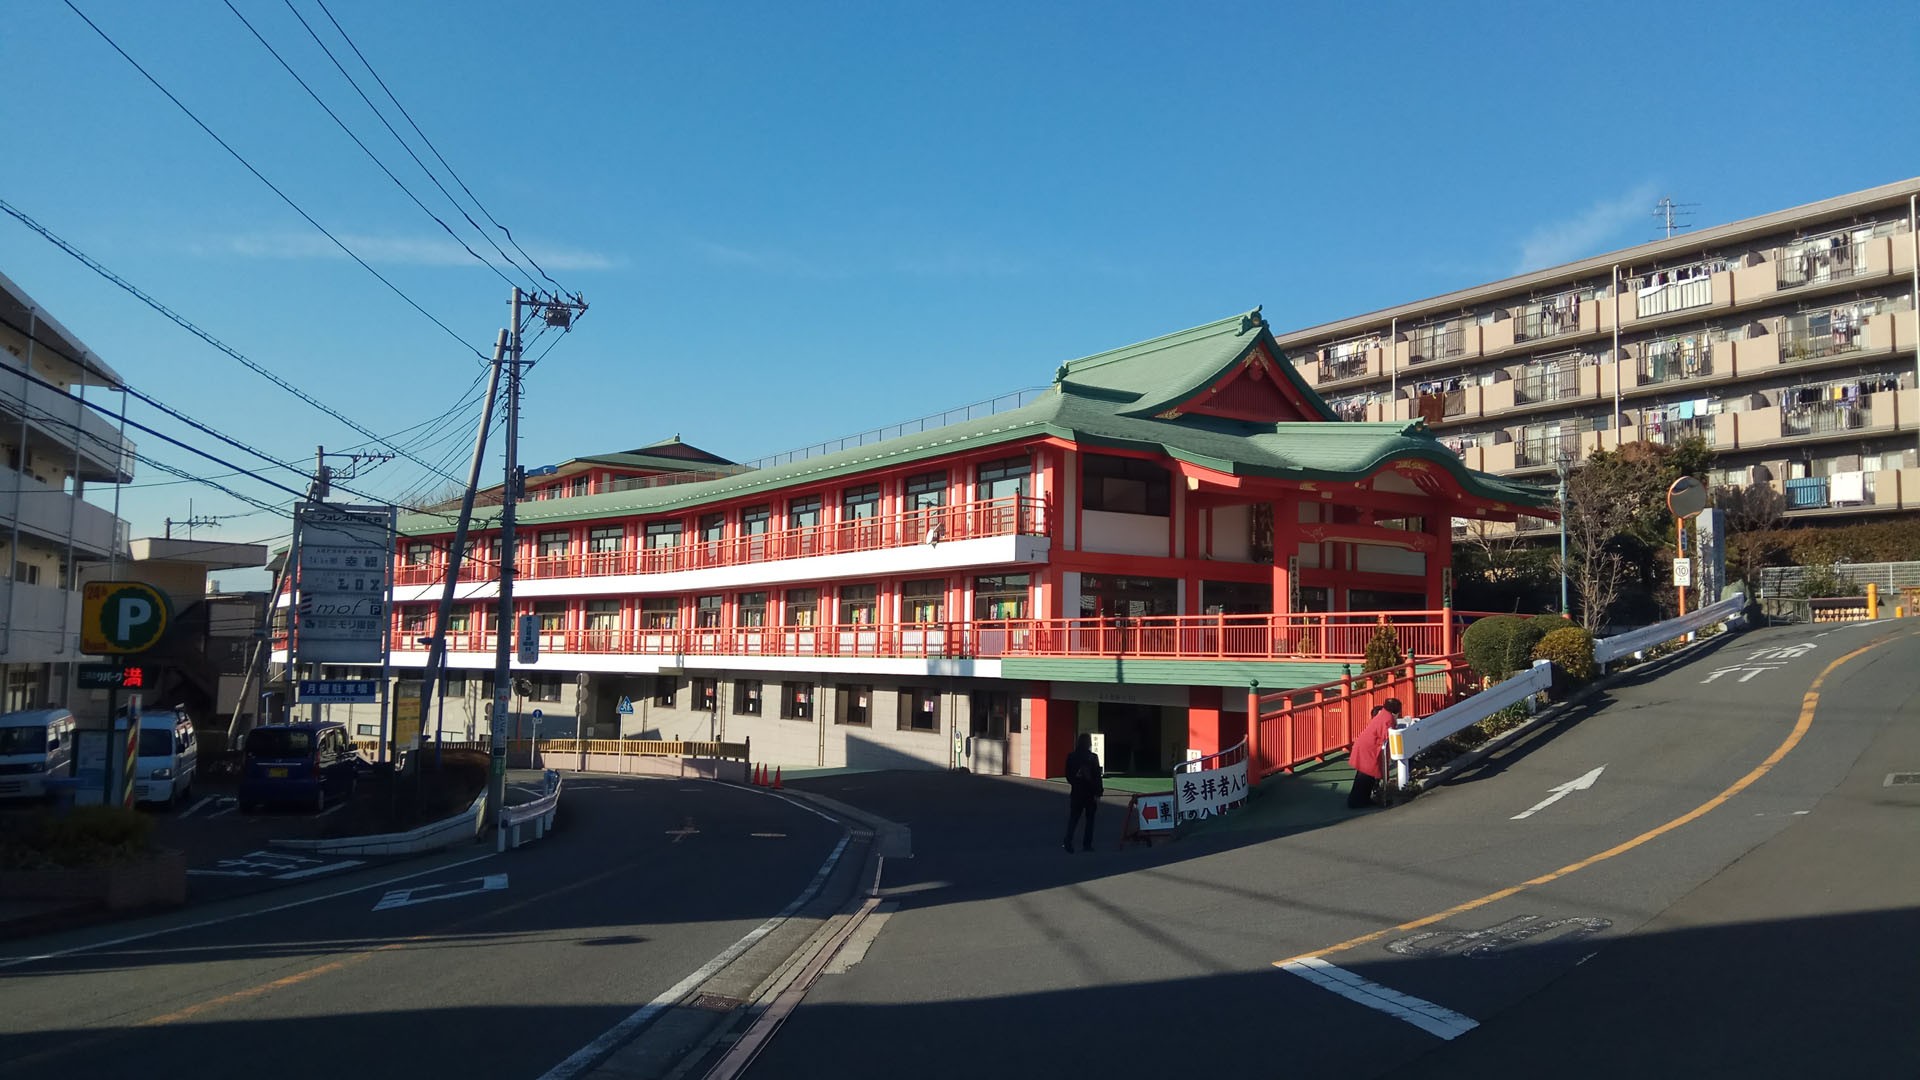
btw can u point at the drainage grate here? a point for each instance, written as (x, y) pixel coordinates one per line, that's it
(716, 1003)
(1894, 778)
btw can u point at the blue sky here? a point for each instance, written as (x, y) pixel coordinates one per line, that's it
(798, 221)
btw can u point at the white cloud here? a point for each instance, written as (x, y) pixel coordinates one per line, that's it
(392, 250)
(1588, 232)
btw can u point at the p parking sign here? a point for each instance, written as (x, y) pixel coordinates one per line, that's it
(118, 617)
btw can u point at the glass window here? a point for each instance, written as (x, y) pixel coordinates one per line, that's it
(706, 612)
(606, 538)
(663, 534)
(706, 694)
(858, 603)
(746, 697)
(1125, 486)
(796, 701)
(580, 485)
(751, 609)
(860, 502)
(552, 615)
(926, 490)
(1109, 595)
(414, 621)
(713, 527)
(659, 613)
(545, 688)
(754, 520)
(459, 622)
(665, 689)
(553, 543)
(603, 615)
(803, 512)
(919, 709)
(803, 607)
(419, 554)
(1004, 478)
(853, 704)
(1001, 596)
(456, 685)
(993, 714)
(923, 601)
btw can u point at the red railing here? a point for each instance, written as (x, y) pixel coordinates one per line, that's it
(1337, 636)
(1308, 724)
(1023, 515)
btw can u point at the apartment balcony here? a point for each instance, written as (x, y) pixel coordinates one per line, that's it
(1300, 636)
(50, 513)
(1547, 451)
(1871, 414)
(993, 518)
(42, 623)
(104, 455)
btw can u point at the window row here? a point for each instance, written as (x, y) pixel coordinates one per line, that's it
(991, 713)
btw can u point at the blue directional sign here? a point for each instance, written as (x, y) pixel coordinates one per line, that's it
(626, 706)
(338, 689)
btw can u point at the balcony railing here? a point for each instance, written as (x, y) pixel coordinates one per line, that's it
(1802, 343)
(1539, 451)
(1674, 432)
(1824, 418)
(1807, 493)
(1678, 360)
(1817, 261)
(1541, 385)
(1335, 368)
(1021, 515)
(1339, 636)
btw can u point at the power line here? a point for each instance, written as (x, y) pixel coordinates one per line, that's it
(284, 197)
(348, 38)
(189, 326)
(371, 156)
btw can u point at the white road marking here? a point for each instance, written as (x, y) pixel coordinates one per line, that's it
(224, 811)
(1433, 1019)
(199, 806)
(586, 1058)
(334, 809)
(1561, 792)
(406, 898)
(317, 870)
(770, 836)
(1750, 671)
(15, 961)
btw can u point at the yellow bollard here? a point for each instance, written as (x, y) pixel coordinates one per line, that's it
(1873, 600)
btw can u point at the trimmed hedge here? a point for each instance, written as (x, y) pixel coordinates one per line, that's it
(88, 836)
(1499, 645)
(1571, 650)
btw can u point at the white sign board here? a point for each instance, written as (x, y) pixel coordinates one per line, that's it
(1206, 792)
(529, 639)
(342, 583)
(1683, 572)
(1154, 813)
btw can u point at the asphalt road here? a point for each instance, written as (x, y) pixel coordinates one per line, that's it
(477, 964)
(1734, 894)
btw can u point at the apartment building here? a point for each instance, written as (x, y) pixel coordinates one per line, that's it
(1131, 553)
(1786, 341)
(53, 447)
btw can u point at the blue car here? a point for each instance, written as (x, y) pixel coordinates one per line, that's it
(296, 764)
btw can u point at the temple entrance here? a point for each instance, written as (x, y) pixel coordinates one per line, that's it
(1133, 738)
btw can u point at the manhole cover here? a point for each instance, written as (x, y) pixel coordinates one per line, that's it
(716, 1003)
(1894, 778)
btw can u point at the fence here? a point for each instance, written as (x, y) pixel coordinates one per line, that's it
(1294, 727)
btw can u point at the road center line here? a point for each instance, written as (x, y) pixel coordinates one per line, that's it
(1800, 727)
(1421, 1013)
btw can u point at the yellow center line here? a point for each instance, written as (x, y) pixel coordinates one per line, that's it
(278, 984)
(1800, 728)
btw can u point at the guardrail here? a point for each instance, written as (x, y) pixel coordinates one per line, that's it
(538, 813)
(463, 827)
(1607, 650)
(1406, 743)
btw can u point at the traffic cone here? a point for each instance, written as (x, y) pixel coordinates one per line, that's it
(760, 777)
(754, 777)
(776, 780)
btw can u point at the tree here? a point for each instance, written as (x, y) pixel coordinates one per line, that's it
(1495, 569)
(1751, 511)
(1383, 651)
(1617, 523)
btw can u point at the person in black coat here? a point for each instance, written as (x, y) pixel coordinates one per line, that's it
(1085, 779)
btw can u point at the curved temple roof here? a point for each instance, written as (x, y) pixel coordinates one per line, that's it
(1134, 398)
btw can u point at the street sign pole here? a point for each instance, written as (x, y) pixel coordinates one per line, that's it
(132, 759)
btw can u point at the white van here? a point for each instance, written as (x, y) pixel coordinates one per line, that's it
(163, 771)
(34, 745)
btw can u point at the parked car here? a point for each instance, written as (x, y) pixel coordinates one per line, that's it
(298, 764)
(167, 757)
(34, 745)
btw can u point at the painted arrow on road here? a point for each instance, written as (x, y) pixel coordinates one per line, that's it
(1561, 792)
(427, 894)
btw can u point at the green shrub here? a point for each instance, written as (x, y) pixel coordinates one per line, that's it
(1499, 645)
(89, 836)
(1571, 650)
(1550, 622)
(1383, 650)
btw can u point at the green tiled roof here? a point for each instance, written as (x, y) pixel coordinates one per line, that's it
(1110, 399)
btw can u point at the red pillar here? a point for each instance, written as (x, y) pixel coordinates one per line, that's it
(1203, 721)
(1052, 726)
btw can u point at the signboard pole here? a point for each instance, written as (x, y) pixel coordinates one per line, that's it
(386, 631)
(504, 621)
(106, 769)
(132, 759)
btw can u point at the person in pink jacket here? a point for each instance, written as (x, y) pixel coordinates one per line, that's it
(1364, 754)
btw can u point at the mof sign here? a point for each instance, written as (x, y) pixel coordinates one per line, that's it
(342, 582)
(121, 617)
